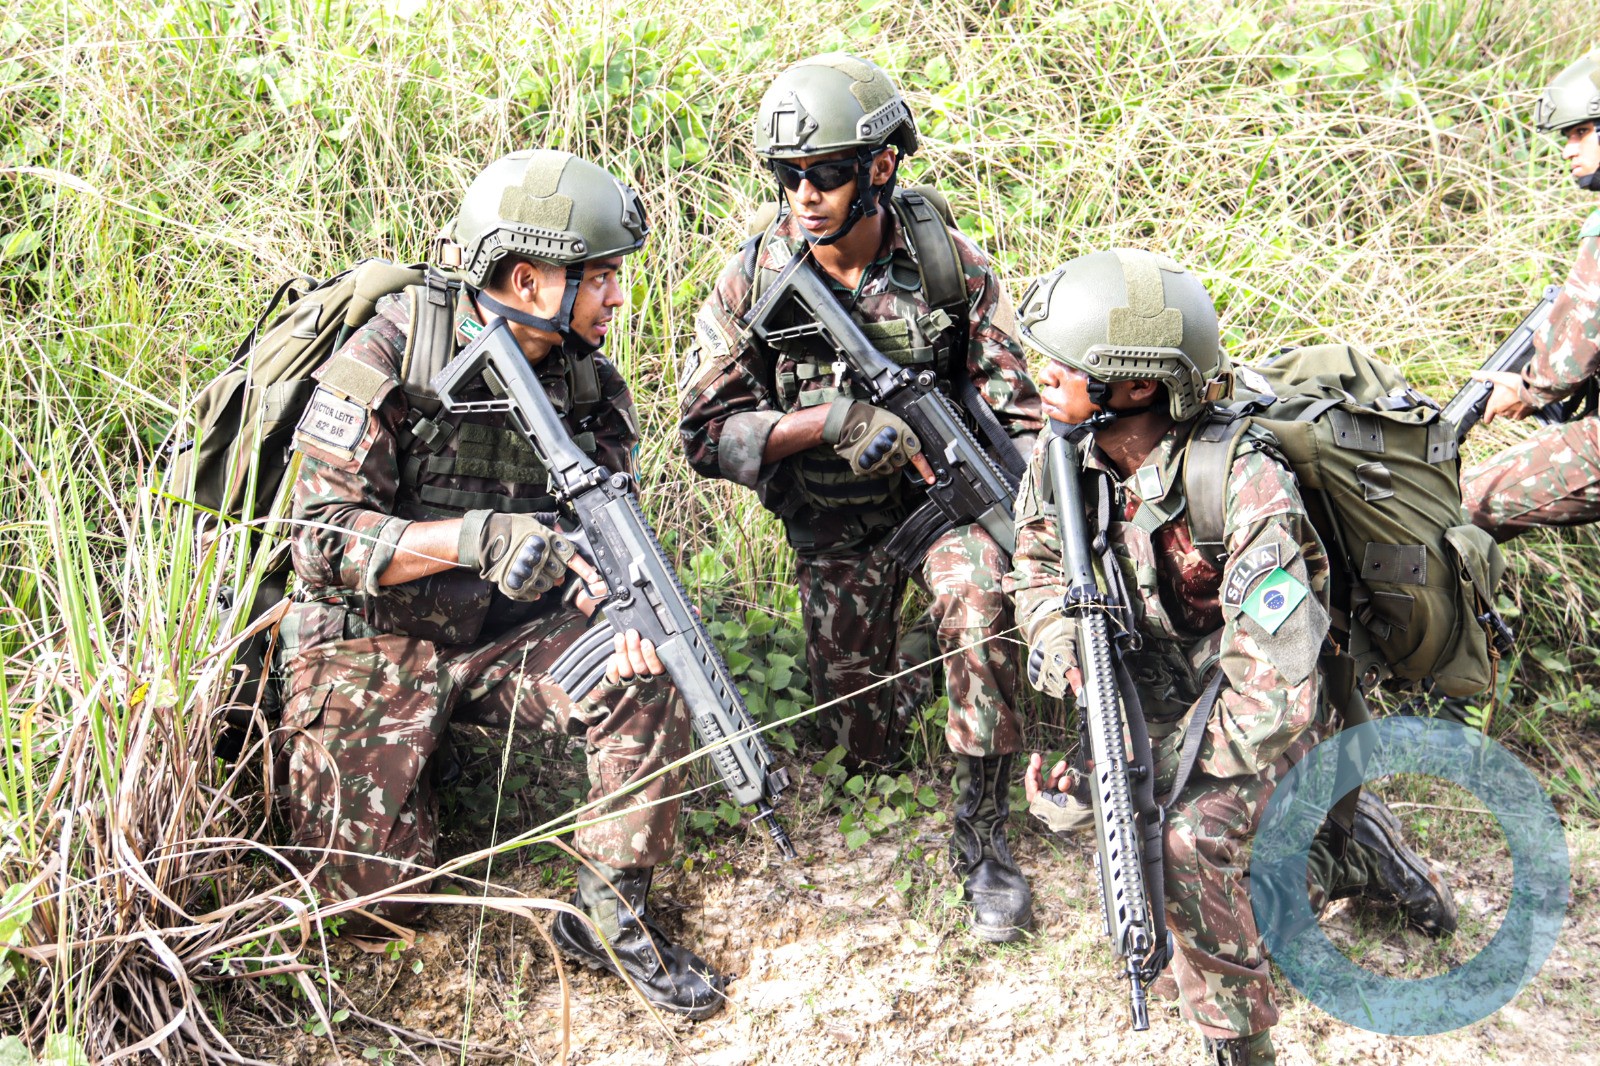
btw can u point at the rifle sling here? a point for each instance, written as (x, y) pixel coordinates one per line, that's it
(1193, 736)
(1000, 442)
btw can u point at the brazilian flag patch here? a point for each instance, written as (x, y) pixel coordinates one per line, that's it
(1274, 600)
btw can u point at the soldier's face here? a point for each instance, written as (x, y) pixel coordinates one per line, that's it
(599, 296)
(819, 210)
(1064, 393)
(1582, 150)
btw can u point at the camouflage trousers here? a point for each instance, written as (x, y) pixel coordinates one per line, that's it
(362, 717)
(1550, 479)
(1222, 971)
(852, 617)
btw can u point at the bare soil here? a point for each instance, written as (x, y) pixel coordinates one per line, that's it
(860, 957)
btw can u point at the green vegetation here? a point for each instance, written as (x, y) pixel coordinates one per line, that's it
(1362, 173)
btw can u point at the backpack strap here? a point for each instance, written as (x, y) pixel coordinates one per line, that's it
(924, 215)
(584, 380)
(944, 283)
(1206, 465)
(432, 341)
(430, 346)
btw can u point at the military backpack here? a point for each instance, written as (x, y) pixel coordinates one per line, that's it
(1413, 581)
(237, 465)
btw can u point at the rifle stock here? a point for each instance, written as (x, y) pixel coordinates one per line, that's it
(1127, 824)
(644, 592)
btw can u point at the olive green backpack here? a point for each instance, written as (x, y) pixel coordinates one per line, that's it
(1413, 581)
(234, 467)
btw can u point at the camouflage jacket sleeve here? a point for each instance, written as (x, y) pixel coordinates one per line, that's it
(615, 423)
(349, 469)
(995, 363)
(1275, 616)
(1036, 583)
(1566, 353)
(726, 411)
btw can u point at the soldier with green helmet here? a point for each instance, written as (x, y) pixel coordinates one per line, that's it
(426, 560)
(788, 422)
(1553, 477)
(1133, 362)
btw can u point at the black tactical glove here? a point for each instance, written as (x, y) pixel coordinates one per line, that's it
(523, 556)
(873, 441)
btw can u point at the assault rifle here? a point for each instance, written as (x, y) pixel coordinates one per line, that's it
(1127, 822)
(1466, 408)
(969, 486)
(644, 591)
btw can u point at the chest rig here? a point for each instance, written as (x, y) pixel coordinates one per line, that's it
(926, 286)
(441, 451)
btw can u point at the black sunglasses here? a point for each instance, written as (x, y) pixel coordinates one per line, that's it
(824, 177)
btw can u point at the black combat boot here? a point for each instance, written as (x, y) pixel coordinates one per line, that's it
(671, 977)
(1379, 866)
(1001, 902)
(1241, 1051)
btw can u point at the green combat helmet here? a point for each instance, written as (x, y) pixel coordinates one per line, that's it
(831, 103)
(1129, 315)
(1571, 99)
(542, 205)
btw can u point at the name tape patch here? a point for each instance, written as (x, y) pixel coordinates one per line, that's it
(712, 343)
(332, 420)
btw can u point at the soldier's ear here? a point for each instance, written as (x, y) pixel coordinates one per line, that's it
(527, 279)
(884, 164)
(1145, 390)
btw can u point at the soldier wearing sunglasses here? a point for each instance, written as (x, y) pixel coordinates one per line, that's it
(790, 424)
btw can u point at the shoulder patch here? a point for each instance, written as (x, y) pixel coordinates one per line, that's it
(713, 341)
(1247, 570)
(346, 374)
(333, 422)
(1591, 225)
(1274, 600)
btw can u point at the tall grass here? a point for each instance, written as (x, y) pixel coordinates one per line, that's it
(1358, 172)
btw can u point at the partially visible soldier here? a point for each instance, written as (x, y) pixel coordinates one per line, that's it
(422, 553)
(1553, 477)
(1132, 349)
(789, 424)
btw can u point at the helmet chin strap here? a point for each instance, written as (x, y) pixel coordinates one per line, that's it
(1100, 395)
(561, 325)
(865, 205)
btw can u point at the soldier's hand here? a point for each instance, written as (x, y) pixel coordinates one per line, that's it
(873, 441)
(1035, 783)
(590, 590)
(633, 657)
(1050, 657)
(1062, 802)
(1509, 398)
(522, 556)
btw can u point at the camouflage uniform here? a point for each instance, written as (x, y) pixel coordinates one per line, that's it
(1553, 477)
(733, 390)
(1271, 709)
(375, 674)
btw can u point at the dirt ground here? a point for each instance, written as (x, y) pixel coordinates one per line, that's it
(859, 957)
